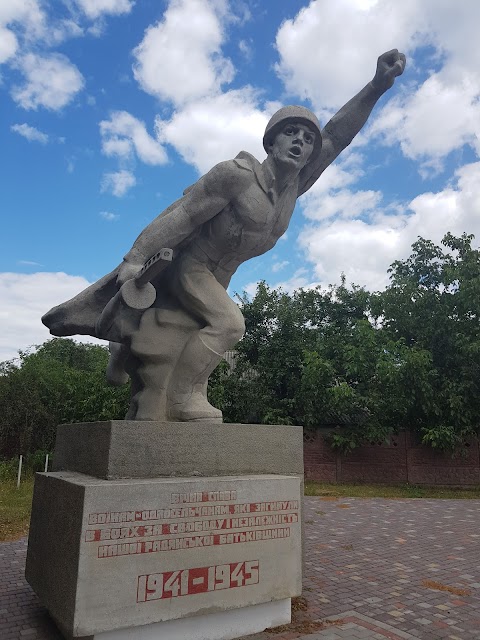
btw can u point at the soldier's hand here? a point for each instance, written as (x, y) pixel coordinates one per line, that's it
(389, 65)
(127, 271)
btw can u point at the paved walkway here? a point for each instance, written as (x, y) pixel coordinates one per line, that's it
(375, 569)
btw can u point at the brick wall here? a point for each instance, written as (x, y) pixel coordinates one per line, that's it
(399, 461)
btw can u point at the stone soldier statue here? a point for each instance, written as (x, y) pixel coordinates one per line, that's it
(170, 322)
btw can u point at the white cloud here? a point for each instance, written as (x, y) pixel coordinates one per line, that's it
(278, 266)
(25, 298)
(118, 183)
(344, 172)
(346, 203)
(28, 13)
(454, 209)
(251, 288)
(214, 129)
(51, 81)
(179, 58)
(364, 249)
(63, 30)
(238, 13)
(30, 133)
(109, 216)
(8, 44)
(246, 49)
(299, 280)
(331, 196)
(361, 250)
(24, 14)
(123, 134)
(328, 51)
(428, 123)
(96, 8)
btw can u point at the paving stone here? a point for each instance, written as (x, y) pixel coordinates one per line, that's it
(358, 574)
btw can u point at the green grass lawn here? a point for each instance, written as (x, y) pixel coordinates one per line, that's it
(385, 491)
(15, 504)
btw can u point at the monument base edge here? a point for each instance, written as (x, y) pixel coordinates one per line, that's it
(223, 625)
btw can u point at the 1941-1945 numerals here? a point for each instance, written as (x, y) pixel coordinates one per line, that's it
(184, 582)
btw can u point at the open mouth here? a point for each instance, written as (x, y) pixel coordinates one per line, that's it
(296, 151)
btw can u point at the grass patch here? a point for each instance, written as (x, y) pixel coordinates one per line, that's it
(301, 621)
(335, 491)
(15, 507)
(438, 586)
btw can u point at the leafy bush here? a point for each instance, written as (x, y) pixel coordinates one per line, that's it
(36, 461)
(8, 470)
(406, 358)
(61, 381)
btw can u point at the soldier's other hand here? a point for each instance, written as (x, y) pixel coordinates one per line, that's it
(127, 271)
(389, 65)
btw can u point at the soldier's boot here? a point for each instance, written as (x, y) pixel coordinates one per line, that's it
(187, 400)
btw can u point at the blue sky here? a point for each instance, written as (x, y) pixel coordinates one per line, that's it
(110, 108)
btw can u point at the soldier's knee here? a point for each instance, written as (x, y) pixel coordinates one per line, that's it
(229, 328)
(237, 328)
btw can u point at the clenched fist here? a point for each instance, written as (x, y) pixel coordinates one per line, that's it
(389, 65)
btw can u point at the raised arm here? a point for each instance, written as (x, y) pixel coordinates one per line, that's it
(344, 126)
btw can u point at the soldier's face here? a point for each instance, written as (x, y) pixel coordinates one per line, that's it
(293, 145)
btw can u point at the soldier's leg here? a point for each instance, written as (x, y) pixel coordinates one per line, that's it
(116, 374)
(223, 326)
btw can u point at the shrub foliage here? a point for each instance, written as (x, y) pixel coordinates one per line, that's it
(372, 363)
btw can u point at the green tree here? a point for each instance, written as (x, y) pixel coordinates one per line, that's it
(303, 358)
(432, 307)
(405, 358)
(59, 382)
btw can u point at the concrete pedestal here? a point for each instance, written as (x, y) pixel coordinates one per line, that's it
(166, 557)
(130, 449)
(224, 625)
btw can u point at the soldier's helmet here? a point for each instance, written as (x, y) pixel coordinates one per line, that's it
(293, 113)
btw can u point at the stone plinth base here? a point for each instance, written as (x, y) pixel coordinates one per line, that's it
(107, 555)
(129, 449)
(225, 625)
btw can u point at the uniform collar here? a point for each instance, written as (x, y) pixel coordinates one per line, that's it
(264, 176)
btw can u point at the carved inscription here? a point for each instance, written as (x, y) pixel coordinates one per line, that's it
(191, 542)
(190, 522)
(171, 584)
(186, 551)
